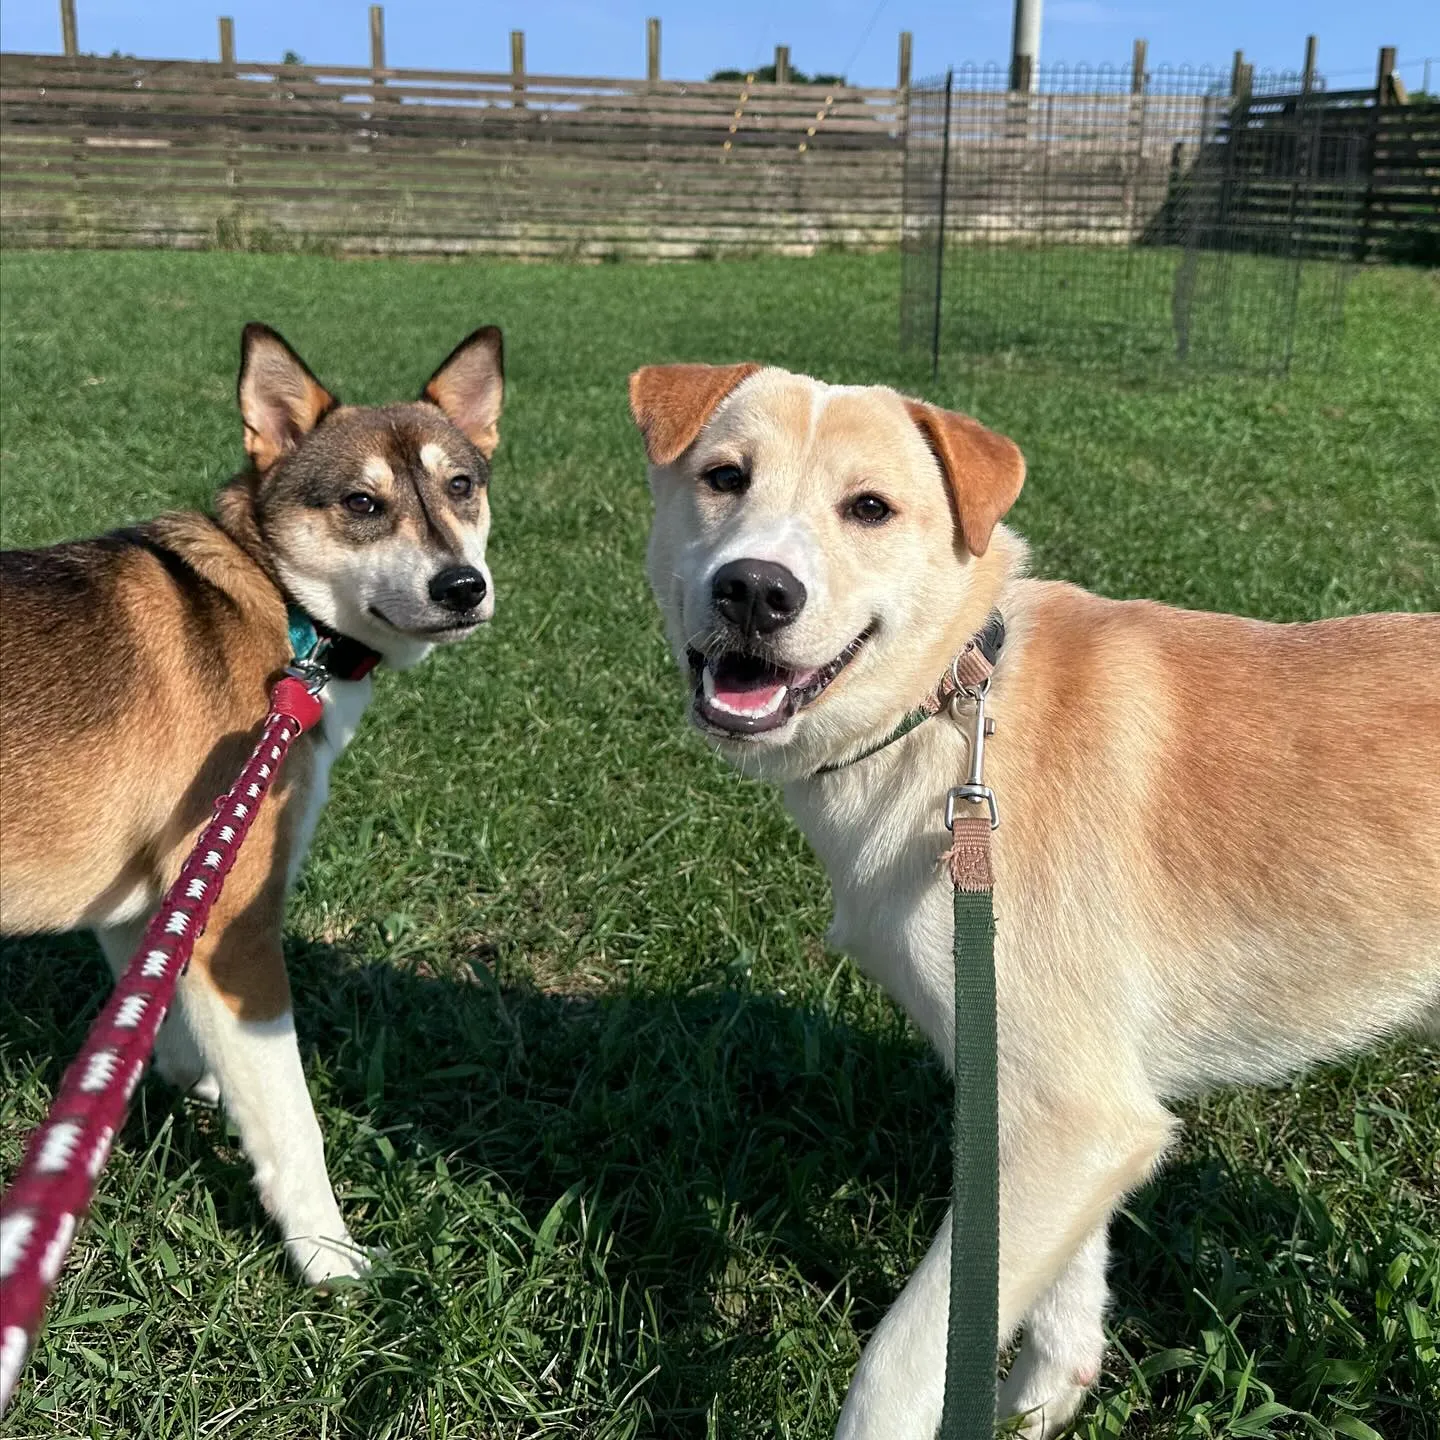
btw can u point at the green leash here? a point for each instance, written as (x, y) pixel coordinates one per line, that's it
(972, 1337)
(969, 1412)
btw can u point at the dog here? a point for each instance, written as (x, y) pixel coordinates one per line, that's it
(136, 672)
(1218, 856)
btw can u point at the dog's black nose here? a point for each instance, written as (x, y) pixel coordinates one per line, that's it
(458, 588)
(757, 596)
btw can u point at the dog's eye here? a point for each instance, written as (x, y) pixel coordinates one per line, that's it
(725, 479)
(359, 503)
(869, 510)
(460, 486)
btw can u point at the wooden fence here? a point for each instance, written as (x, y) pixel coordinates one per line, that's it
(1373, 179)
(125, 152)
(137, 152)
(1086, 167)
(129, 152)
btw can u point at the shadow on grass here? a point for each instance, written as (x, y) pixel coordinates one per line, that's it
(722, 1152)
(720, 1143)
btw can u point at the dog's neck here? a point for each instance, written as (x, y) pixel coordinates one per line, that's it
(234, 513)
(983, 583)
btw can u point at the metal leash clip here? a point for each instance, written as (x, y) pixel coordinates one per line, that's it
(310, 669)
(974, 791)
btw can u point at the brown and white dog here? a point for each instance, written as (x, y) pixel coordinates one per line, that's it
(1207, 871)
(136, 669)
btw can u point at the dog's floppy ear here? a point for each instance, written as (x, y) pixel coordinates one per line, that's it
(469, 387)
(985, 470)
(671, 403)
(280, 399)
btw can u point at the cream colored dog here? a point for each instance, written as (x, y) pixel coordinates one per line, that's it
(1219, 849)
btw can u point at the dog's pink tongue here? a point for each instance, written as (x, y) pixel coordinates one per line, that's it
(757, 699)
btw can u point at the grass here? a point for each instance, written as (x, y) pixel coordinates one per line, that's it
(649, 1160)
(1121, 306)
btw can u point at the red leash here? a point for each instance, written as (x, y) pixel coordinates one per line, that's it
(55, 1183)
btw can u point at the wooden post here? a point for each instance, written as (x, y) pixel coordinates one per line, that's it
(940, 230)
(1385, 76)
(1133, 183)
(782, 64)
(70, 43)
(517, 69)
(227, 70)
(1247, 80)
(652, 49)
(377, 44)
(904, 76)
(1299, 210)
(1235, 70)
(1384, 94)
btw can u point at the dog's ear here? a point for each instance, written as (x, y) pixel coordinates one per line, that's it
(280, 399)
(671, 403)
(469, 387)
(985, 470)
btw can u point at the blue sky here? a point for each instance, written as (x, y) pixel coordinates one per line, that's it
(859, 37)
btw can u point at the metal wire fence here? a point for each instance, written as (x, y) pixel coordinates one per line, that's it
(1110, 215)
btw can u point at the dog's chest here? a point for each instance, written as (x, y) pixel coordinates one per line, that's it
(881, 849)
(345, 702)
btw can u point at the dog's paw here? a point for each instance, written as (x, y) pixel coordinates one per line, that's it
(205, 1090)
(326, 1263)
(1043, 1398)
(193, 1083)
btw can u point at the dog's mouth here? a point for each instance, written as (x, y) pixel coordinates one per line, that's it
(455, 629)
(741, 693)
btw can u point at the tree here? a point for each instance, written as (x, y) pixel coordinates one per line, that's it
(765, 75)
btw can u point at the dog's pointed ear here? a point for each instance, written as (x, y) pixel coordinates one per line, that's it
(280, 398)
(469, 387)
(671, 403)
(985, 470)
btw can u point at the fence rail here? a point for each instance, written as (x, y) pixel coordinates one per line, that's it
(126, 152)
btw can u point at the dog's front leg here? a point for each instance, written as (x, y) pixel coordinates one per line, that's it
(1064, 1344)
(900, 1382)
(1059, 1182)
(236, 1003)
(262, 1087)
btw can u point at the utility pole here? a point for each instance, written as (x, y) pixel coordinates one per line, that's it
(1025, 45)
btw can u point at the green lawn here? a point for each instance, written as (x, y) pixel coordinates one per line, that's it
(648, 1159)
(1120, 306)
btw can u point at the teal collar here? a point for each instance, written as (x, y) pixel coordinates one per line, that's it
(317, 644)
(303, 635)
